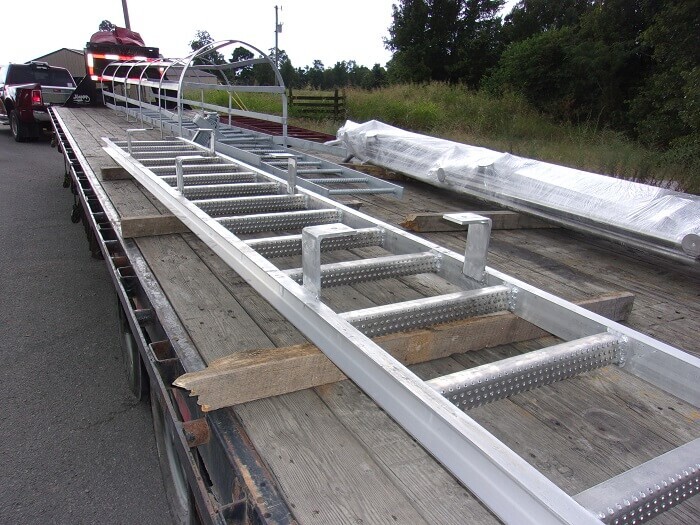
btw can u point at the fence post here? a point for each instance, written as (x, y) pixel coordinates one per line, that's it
(335, 105)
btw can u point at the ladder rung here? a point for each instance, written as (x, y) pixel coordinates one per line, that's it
(142, 143)
(163, 153)
(645, 491)
(212, 178)
(428, 311)
(293, 220)
(289, 245)
(362, 270)
(255, 204)
(299, 163)
(319, 170)
(350, 191)
(339, 180)
(196, 168)
(213, 191)
(170, 162)
(480, 385)
(269, 152)
(238, 141)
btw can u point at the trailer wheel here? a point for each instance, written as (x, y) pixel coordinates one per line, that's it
(136, 374)
(177, 490)
(76, 213)
(19, 130)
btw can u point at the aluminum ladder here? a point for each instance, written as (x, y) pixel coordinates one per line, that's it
(266, 152)
(251, 218)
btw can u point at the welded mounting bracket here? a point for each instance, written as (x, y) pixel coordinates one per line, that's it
(129, 133)
(212, 138)
(292, 175)
(311, 239)
(180, 172)
(478, 236)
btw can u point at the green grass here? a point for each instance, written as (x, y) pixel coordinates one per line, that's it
(505, 123)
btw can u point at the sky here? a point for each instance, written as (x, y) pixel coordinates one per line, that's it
(326, 30)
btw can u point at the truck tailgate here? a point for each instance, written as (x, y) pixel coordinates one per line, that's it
(55, 95)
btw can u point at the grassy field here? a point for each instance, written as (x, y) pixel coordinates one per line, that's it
(501, 123)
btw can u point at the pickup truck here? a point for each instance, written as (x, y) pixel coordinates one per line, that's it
(25, 92)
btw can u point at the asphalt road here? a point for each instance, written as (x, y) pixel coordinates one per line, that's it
(74, 445)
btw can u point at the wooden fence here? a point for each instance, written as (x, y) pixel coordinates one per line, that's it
(321, 105)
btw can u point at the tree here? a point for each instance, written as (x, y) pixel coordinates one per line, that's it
(315, 75)
(666, 107)
(444, 40)
(531, 17)
(203, 38)
(585, 71)
(106, 25)
(666, 110)
(243, 75)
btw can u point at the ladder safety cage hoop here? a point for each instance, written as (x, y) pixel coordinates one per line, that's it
(188, 63)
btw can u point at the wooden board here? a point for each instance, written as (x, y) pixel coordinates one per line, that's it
(145, 226)
(500, 220)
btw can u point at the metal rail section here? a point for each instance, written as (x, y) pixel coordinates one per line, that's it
(166, 352)
(140, 88)
(507, 484)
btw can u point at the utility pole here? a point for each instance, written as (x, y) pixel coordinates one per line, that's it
(127, 24)
(278, 30)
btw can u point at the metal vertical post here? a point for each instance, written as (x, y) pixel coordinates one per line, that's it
(127, 23)
(478, 236)
(277, 32)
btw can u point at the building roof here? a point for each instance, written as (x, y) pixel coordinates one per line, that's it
(76, 51)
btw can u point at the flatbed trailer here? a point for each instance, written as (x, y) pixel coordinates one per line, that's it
(329, 454)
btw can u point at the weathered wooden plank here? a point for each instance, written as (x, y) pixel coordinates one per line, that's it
(328, 475)
(151, 225)
(435, 493)
(376, 171)
(215, 321)
(114, 173)
(500, 220)
(128, 199)
(261, 373)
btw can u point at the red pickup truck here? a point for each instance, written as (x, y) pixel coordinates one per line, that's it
(25, 92)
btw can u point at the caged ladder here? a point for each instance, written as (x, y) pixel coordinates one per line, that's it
(239, 212)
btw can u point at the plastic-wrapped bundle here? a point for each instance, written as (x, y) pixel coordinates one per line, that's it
(662, 220)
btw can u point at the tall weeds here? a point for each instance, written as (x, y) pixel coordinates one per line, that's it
(504, 123)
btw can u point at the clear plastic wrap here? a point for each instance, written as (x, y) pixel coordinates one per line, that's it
(656, 215)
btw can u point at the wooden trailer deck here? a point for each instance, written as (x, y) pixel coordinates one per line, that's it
(336, 456)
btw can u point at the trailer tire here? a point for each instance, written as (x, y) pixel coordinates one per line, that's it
(136, 375)
(18, 130)
(177, 491)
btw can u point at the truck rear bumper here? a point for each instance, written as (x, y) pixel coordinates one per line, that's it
(41, 116)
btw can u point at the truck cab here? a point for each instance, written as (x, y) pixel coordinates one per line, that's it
(26, 90)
